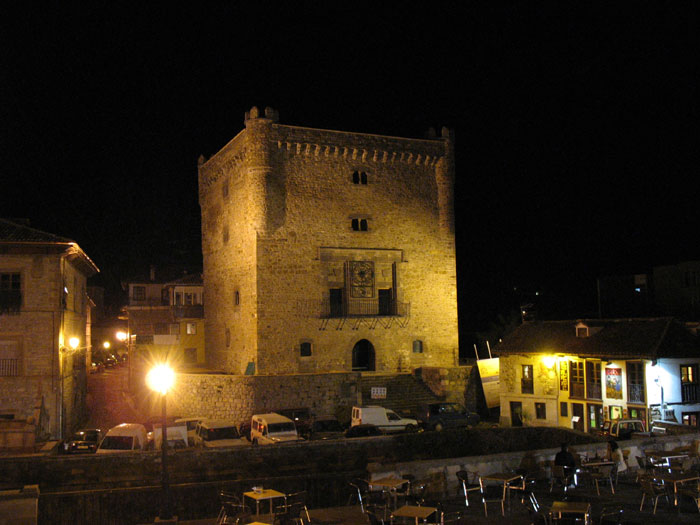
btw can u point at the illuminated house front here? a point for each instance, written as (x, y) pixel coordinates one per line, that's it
(577, 374)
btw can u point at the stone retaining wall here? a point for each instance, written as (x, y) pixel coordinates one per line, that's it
(238, 397)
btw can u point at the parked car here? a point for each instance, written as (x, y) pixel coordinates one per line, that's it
(437, 416)
(301, 417)
(110, 361)
(96, 367)
(191, 424)
(622, 428)
(126, 437)
(214, 433)
(387, 420)
(272, 428)
(328, 428)
(83, 441)
(363, 430)
(177, 436)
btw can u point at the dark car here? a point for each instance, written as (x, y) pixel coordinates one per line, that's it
(326, 429)
(364, 430)
(110, 361)
(83, 441)
(301, 418)
(437, 416)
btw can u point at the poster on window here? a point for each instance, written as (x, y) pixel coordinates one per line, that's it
(613, 383)
(564, 375)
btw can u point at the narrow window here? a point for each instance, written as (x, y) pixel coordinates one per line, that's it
(363, 225)
(305, 349)
(356, 225)
(689, 384)
(363, 178)
(355, 177)
(225, 234)
(228, 338)
(236, 298)
(417, 346)
(526, 383)
(178, 298)
(564, 409)
(10, 293)
(541, 410)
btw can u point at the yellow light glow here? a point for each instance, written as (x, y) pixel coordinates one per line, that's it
(548, 361)
(160, 378)
(121, 336)
(106, 345)
(74, 342)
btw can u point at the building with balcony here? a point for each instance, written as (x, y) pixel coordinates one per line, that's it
(44, 333)
(166, 320)
(577, 374)
(328, 251)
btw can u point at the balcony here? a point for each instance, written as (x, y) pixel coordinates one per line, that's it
(593, 391)
(689, 393)
(9, 367)
(195, 311)
(363, 308)
(577, 390)
(635, 393)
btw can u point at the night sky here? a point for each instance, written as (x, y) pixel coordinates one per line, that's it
(576, 125)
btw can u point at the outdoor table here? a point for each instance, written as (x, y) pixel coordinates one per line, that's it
(506, 478)
(390, 483)
(559, 508)
(677, 478)
(264, 495)
(413, 511)
(663, 459)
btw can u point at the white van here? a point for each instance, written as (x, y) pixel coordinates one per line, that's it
(383, 418)
(177, 436)
(126, 437)
(191, 423)
(214, 433)
(266, 429)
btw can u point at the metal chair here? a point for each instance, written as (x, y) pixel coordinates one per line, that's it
(451, 518)
(463, 478)
(654, 492)
(560, 475)
(359, 491)
(493, 494)
(611, 515)
(603, 474)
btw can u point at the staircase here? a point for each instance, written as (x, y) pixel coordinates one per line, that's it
(404, 392)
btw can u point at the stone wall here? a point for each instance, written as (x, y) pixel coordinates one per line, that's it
(276, 197)
(238, 397)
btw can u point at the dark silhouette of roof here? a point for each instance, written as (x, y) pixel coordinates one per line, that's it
(648, 338)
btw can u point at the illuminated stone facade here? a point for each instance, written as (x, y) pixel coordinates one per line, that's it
(328, 251)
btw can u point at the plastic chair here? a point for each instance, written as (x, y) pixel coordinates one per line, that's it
(652, 491)
(463, 478)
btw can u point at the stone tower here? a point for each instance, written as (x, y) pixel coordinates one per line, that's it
(328, 251)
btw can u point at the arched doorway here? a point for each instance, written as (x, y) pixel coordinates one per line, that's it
(363, 356)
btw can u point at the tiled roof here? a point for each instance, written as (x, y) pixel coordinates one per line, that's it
(15, 232)
(648, 338)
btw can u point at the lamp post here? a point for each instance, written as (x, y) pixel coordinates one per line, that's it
(125, 339)
(161, 379)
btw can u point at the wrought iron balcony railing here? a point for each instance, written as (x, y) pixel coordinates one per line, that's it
(635, 393)
(363, 308)
(689, 393)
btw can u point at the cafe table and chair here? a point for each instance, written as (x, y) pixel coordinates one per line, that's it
(268, 495)
(506, 480)
(676, 479)
(576, 510)
(390, 485)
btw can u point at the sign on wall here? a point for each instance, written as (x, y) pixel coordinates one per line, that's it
(564, 375)
(490, 381)
(613, 383)
(378, 392)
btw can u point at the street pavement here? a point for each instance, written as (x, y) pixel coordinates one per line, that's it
(108, 400)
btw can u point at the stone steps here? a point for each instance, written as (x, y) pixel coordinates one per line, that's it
(404, 392)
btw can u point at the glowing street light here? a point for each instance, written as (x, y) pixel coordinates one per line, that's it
(74, 342)
(161, 378)
(121, 336)
(106, 345)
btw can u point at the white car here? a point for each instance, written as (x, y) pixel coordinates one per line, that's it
(214, 433)
(191, 424)
(267, 429)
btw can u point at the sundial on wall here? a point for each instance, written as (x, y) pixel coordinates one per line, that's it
(361, 279)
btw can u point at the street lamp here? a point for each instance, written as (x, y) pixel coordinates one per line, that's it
(124, 338)
(161, 379)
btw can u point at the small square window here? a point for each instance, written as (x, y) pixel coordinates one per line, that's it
(305, 349)
(564, 409)
(417, 346)
(191, 328)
